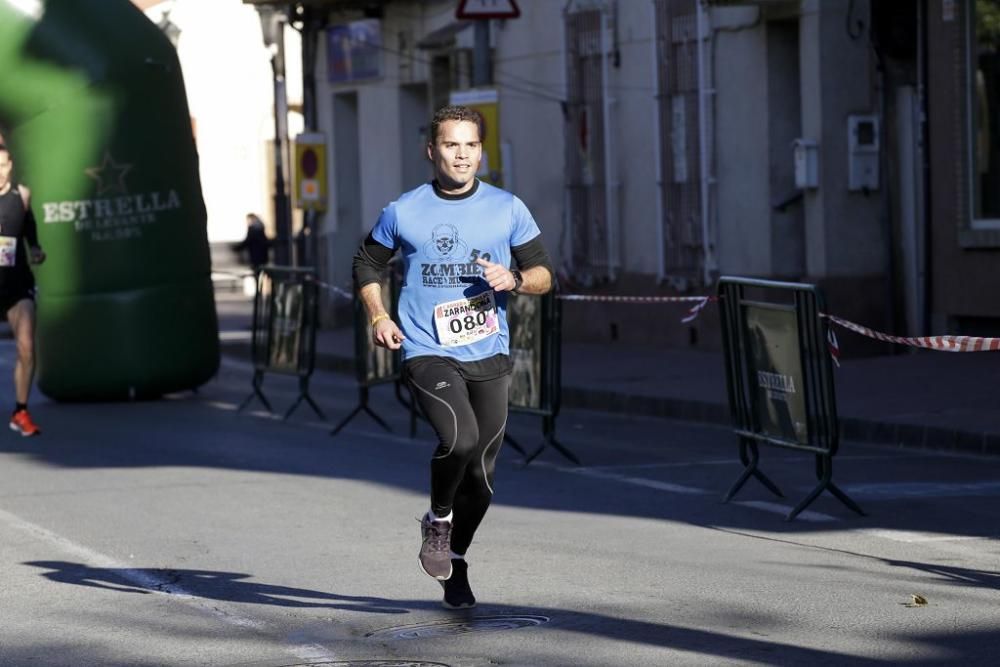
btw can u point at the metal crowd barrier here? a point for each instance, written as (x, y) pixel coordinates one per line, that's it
(376, 365)
(536, 352)
(283, 341)
(779, 378)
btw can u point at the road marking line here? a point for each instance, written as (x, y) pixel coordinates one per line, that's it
(157, 585)
(899, 490)
(913, 536)
(895, 455)
(734, 462)
(671, 464)
(778, 508)
(640, 481)
(315, 425)
(223, 405)
(625, 479)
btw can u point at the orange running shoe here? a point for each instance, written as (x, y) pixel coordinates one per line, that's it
(21, 422)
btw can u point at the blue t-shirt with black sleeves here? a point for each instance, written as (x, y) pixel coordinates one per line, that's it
(439, 240)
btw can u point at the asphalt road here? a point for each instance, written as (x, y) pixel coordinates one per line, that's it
(181, 532)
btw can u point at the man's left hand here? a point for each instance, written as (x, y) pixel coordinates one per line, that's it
(36, 255)
(499, 277)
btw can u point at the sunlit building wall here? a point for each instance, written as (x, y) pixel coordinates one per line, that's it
(228, 78)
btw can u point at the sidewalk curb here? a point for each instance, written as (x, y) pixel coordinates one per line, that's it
(908, 436)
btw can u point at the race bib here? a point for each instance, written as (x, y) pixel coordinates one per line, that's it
(465, 321)
(8, 250)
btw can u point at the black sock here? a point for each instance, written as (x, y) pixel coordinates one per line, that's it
(20, 406)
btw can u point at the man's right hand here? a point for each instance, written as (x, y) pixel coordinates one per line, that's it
(387, 334)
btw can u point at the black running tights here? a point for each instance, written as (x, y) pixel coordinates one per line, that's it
(469, 418)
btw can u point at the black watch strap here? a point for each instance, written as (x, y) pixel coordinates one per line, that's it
(518, 280)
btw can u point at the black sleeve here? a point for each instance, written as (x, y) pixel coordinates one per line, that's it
(370, 262)
(531, 254)
(30, 230)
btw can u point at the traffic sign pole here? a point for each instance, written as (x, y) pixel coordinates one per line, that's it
(482, 70)
(481, 11)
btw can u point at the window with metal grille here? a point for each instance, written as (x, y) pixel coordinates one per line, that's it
(685, 107)
(592, 199)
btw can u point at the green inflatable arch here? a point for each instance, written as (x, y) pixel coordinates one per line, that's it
(93, 107)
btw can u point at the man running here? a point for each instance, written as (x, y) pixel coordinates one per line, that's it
(457, 236)
(18, 244)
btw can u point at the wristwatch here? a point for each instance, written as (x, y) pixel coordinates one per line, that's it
(518, 280)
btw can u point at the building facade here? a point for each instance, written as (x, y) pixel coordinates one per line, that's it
(664, 143)
(963, 97)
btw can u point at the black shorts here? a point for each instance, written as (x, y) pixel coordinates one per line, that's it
(10, 295)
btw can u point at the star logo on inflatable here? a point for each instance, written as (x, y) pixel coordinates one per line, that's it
(110, 176)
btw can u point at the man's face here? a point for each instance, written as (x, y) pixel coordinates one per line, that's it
(6, 166)
(455, 154)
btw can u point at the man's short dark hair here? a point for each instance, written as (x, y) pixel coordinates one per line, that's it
(454, 112)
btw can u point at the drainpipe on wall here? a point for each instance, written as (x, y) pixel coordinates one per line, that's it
(272, 27)
(566, 233)
(925, 167)
(610, 174)
(661, 256)
(704, 92)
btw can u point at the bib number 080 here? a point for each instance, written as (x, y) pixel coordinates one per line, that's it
(468, 323)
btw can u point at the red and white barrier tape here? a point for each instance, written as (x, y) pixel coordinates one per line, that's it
(942, 343)
(945, 343)
(831, 342)
(699, 301)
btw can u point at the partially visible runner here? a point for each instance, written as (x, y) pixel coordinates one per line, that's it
(18, 244)
(457, 236)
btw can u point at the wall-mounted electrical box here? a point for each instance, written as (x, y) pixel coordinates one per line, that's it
(806, 155)
(862, 152)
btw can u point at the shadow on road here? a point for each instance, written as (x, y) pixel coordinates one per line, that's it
(224, 586)
(237, 588)
(989, 579)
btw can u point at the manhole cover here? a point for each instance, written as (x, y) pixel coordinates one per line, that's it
(370, 663)
(448, 628)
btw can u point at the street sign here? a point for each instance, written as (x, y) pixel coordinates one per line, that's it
(310, 171)
(487, 9)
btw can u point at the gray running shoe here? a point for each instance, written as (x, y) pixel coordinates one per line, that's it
(435, 552)
(457, 593)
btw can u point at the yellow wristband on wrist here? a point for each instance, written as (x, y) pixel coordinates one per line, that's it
(379, 318)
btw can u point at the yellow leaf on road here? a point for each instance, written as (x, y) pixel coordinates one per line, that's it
(916, 601)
